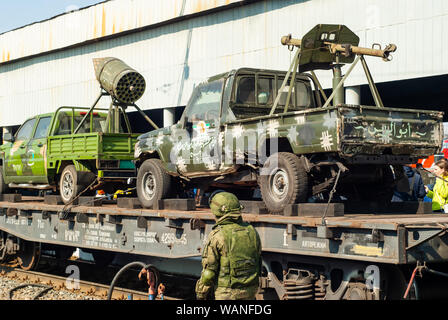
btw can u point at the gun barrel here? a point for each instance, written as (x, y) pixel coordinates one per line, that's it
(335, 47)
(346, 49)
(289, 41)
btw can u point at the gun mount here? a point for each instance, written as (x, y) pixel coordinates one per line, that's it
(330, 47)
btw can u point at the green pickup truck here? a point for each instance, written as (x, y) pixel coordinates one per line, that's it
(45, 154)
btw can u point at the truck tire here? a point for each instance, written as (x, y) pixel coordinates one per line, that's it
(284, 184)
(68, 184)
(153, 183)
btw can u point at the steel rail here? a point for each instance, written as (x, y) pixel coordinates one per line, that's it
(85, 287)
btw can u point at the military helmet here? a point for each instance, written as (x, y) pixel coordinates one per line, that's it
(223, 203)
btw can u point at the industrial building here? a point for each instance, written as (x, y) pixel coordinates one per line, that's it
(178, 43)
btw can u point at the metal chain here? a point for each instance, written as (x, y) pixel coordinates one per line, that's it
(331, 196)
(63, 214)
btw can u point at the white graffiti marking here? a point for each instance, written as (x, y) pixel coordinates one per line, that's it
(326, 141)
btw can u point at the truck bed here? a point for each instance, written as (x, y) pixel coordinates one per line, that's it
(92, 146)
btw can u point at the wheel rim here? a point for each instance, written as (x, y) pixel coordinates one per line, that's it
(149, 185)
(67, 186)
(279, 184)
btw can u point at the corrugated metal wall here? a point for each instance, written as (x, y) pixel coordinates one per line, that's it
(174, 57)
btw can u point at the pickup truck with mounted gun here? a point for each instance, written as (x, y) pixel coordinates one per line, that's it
(278, 131)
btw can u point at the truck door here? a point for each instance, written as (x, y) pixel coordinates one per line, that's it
(202, 124)
(37, 151)
(16, 168)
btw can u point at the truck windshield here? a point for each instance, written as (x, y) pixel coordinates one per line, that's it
(205, 102)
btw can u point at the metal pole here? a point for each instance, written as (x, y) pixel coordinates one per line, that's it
(337, 76)
(88, 113)
(291, 84)
(145, 116)
(341, 82)
(373, 88)
(128, 124)
(284, 82)
(321, 90)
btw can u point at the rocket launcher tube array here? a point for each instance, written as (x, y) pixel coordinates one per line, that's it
(121, 81)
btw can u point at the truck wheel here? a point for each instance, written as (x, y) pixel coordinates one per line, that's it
(284, 184)
(68, 184)
(153, 183)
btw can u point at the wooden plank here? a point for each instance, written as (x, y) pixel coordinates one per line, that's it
(408, 207)
(129, 203)
(254, 207)
(12, 197)
(176, 204)
(53, 199)
(314, 210)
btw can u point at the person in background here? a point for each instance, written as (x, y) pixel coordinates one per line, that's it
(416, 187)
(439, 194)
(161, 291)
(430, 187)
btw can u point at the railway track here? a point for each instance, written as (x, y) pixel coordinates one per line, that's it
(58, 282)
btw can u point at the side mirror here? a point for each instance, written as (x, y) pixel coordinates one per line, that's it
(8, 137)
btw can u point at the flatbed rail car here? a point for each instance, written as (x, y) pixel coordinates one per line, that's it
(364, 256)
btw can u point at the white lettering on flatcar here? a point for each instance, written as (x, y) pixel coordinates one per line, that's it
(170, 238)
(145, 237)
(314, 244)
(71, 235)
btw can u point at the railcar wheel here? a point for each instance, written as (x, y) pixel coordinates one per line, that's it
(153, 183)
(28, 255)
(285, 182)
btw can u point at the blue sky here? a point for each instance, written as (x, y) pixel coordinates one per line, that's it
(17, 13)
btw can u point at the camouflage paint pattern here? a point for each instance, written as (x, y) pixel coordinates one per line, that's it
(37, 161)
(345, 130)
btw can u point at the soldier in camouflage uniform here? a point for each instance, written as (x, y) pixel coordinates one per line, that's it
(231, 259)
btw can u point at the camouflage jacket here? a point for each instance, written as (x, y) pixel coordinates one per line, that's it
(231, 260)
